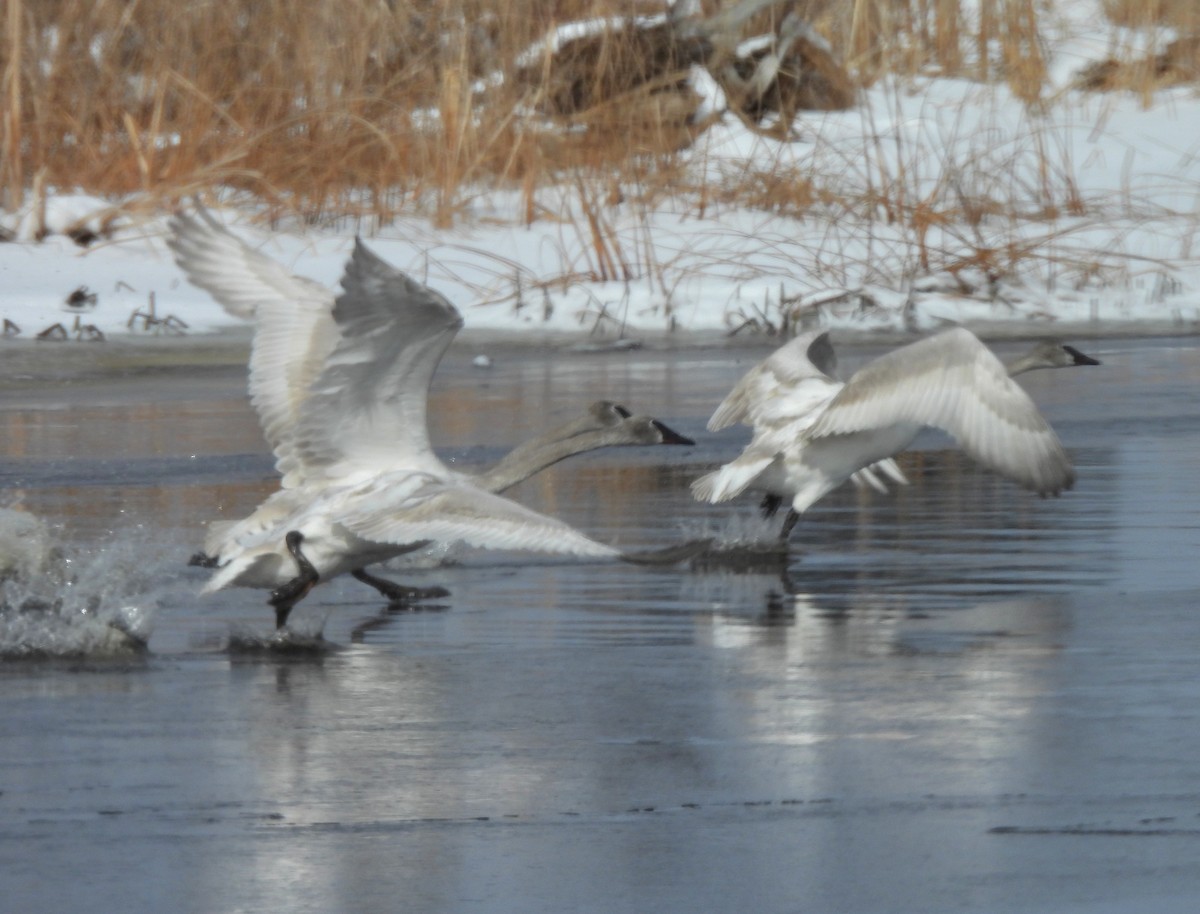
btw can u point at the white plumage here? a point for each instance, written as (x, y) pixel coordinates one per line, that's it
(341, 389)
(813, 432)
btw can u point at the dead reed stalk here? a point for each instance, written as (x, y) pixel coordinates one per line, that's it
(12, 176)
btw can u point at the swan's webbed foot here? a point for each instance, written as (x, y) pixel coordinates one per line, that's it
(769, 505)
(283, 598)
(204, 560)
(789, 523)
(399, 593)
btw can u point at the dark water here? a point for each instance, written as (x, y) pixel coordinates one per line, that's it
(957, 697)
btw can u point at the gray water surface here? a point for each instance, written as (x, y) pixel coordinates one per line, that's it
(958, 697)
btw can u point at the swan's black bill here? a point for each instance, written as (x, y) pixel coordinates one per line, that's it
(1079, 358)
(670, 436)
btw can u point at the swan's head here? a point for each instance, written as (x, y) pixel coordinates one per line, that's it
(1059, 355)
(644, 430)
(1051, 354)
(633, 429)
(608, 414)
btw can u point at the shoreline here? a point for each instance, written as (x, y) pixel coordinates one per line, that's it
(230, 346)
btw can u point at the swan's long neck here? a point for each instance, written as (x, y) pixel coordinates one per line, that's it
(534, 456)
(1027, 362)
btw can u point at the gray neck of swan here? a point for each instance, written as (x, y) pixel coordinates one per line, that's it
(1027, 362)
(535, 456)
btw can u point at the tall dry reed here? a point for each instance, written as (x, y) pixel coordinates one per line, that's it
(362, 108)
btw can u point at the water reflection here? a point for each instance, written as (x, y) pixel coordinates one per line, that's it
(920, 668)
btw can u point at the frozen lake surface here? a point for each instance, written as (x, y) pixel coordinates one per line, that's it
(955, 698)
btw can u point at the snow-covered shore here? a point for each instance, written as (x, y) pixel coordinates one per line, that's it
(1088, 210)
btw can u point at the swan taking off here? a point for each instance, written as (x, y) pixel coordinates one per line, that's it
(813, 432)
(342, 394)
(604, 424)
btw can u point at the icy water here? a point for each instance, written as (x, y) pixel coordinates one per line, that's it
(955, 698)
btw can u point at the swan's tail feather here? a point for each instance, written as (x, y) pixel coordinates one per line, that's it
(730, 480)
(705, 487)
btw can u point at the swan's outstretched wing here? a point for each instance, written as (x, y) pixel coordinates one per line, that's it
(294, 330)
(366, 412)
(226, 537)
(953, 382)
(432, 509)
(774, 389)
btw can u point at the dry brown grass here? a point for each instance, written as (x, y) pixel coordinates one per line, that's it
(1167, 36)
(365, 109)
(1180, 14)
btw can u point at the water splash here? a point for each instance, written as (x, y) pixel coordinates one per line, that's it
(67, 601)
(728, 532)
(293, 642)
(740, 543)
(26, 544)
(35, 630)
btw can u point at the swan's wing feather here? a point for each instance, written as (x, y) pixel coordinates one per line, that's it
(459, 512)
(869, 476)
(891, 469)
(737, 403)
(780, 430)
(294, 330)
(954, 383)
(367, 409)
(763, 393)
(238, 277)
(226, 537)
(866, 479)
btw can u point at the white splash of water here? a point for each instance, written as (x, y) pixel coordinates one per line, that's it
(83, 601)
(295, 641)
(735, 531)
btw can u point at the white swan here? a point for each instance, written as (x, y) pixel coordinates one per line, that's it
(605, 424)
(812, 432)
(346, 417)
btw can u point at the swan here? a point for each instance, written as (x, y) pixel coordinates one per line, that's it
(605, 424)
(812, 432)
(346, 417)
(294, 334)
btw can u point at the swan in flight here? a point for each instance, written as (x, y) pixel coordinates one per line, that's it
(813, 432)
(341, 392)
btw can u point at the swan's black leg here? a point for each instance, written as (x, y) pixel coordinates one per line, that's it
(770, 504)
(204, 560)
(398, 593)
(789, 522)
(285, 597)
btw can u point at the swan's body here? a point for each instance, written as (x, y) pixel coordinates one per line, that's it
(813, 432)
(341, 389)
(605, 424)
